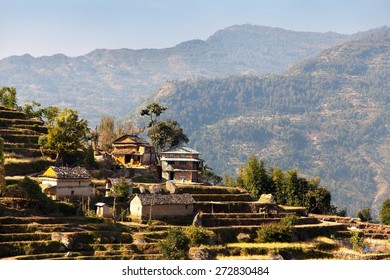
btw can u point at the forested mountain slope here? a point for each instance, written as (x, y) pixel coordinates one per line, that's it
(115, 81)
(328, 116)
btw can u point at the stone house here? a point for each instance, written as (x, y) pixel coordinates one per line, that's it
(181, 164)
(133, 151)
(67, 182)
(146, 206)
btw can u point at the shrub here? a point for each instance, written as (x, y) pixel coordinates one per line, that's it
(289, 220)
(199, 235)
(365, 214)
(175, 246)
(274, 233)
(357, 241)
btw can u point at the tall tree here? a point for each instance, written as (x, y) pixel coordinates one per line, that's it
(167, 134)
(106, 131)
(67, 134)
(8, 97)
(153, 110)
(385, 212)
(255, 178)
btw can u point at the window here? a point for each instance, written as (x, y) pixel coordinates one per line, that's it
(71, 192)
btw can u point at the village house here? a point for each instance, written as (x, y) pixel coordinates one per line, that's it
(67, 182)
(133, 151)
(149, 206)
(181, 164)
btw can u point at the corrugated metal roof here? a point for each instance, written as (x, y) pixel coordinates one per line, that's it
(180, 150)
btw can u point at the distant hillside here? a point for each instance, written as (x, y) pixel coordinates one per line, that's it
(328, 116)
(116, 81)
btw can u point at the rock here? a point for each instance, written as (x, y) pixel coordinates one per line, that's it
(155, 189)
(200, 254)
(266, 198)
(275, 256)
(197, 222)
(66, 240)
(171, 187)
(243, 237)
(142, 189)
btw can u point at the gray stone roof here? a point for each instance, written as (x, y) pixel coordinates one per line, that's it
(71, 172)
(161, 199)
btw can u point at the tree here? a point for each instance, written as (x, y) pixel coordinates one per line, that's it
(153, 110)
(385, 212)
(167, 134)
(121, 189)
(255, 177)
(66, 134)
(175, 246)
(106, 131)
(8, 97)
(365, 214)
(209, 177)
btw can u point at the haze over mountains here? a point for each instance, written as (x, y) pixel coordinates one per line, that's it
(115, 81)
(327, 115)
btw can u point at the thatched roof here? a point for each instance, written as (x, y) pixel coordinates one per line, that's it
(161, 199)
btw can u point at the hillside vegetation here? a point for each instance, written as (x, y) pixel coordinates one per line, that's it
(115, 81)
(327, 116)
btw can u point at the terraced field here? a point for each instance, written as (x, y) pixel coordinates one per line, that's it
(75, 238)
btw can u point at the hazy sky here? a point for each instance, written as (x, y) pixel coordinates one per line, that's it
(76, 27)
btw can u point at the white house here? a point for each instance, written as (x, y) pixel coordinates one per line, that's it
(67, 182)
(145, 206)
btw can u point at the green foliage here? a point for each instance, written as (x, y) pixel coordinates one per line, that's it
(8, 97)
(209, 177)
(121, 189)
(357, 241)
(167, 134)
(229, 181)
(38, 201)
(385, 212)
(153, 110)
(365, 214)
(198, 235)
(255, 178)
(274, 233)
(289, 220)
(175, 246)
(66, 134)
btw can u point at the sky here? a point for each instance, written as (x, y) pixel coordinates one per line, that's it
(77, 27)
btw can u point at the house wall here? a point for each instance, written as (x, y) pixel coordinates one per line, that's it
(104, 211)
(70, 188)
(143, 212)
(182, 176)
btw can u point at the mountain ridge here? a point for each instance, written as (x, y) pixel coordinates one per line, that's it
(105, 78)
(326, 116)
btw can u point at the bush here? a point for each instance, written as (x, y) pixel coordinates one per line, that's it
(175, 246)
(274, 233)
(357, 241)
(199, 235)
(365, 214)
